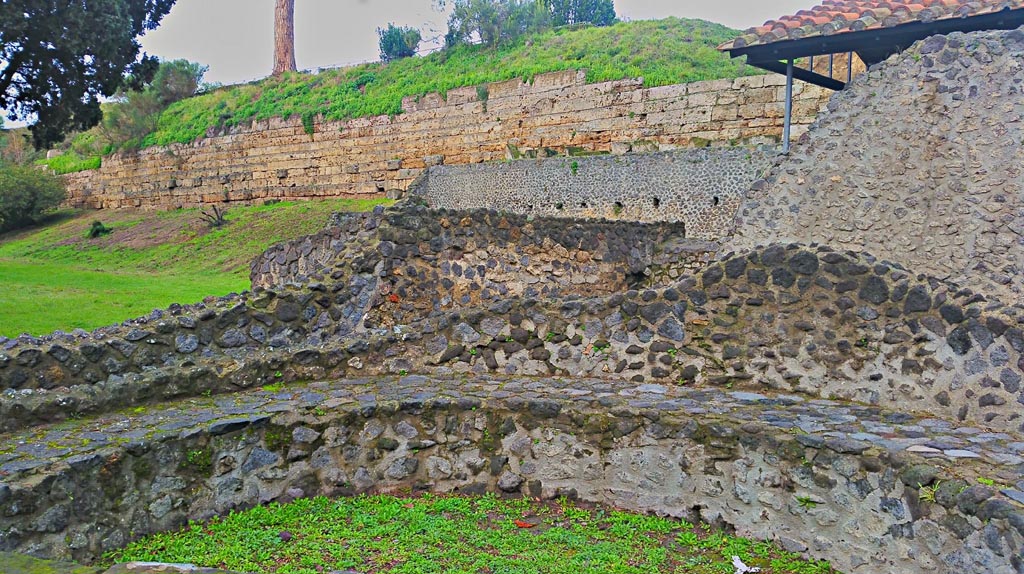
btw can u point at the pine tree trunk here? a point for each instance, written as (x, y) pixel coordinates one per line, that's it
(284, 37)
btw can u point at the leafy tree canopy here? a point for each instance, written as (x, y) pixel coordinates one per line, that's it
(59, 57)
(500, 22)
(569, 12)
(396, 42)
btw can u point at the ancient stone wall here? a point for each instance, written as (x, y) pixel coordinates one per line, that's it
(701, 188)
(556, 113)
(918, 161)
(478, 294)
(814, 475)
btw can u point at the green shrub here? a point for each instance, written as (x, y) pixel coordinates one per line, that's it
(98, 229)
(396, 43)
(27, 194)
(71, 162)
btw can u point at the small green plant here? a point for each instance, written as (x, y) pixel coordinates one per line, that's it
(403, 372)
(214, 217)
(927, 493)
(574, 167)
(806, 502)
(309, 122)
(483, 94)
(97, 229)
(201, 460)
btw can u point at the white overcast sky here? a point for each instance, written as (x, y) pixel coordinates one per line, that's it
(235, 37)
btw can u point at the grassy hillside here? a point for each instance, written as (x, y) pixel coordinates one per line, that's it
(53, 277)
(663, 52)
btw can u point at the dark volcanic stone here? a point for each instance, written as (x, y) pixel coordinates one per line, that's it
(959, 340)
(875, 290)
(186, 343)
(952, 314)
(672, 330)
(232, 338)
(712, 275)
(783, 277)
(804, 263)
(918, 300)
(735, 267)
(969, 500)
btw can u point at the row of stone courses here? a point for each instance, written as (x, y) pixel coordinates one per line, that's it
(869, 489)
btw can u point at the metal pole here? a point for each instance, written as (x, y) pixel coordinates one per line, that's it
(789, 106)
(849, 67)
(831, 61)
(810, 64)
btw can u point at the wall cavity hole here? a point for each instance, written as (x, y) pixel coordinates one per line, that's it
(559, 206)
(657, 202)
(618, 207)
(583, 204)
(715, 200)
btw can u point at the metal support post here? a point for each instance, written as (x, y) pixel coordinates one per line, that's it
(789, 106)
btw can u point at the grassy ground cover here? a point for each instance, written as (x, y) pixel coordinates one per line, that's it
(457, 535)
(663, 52)
(53, 277)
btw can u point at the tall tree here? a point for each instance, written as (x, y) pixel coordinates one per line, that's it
(596, 12)
(284, 36)
(59, 58)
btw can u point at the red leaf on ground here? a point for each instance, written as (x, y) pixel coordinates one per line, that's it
(524, 524)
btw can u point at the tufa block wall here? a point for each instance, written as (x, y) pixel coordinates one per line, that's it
(557, 113)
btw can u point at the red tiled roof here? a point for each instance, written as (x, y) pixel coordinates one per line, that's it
(840, 16)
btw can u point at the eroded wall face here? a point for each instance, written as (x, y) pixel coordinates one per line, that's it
(918, 161)
(556, 114)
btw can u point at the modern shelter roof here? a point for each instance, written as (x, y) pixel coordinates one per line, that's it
(874, 29)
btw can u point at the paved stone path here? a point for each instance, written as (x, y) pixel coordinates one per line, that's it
(836, 425)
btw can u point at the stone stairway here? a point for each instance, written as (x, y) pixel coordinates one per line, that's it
(869, 489)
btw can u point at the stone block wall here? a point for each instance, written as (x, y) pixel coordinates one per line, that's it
(700, 188)
(557, 113)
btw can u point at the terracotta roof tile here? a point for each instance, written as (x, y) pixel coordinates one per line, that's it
(839, 16)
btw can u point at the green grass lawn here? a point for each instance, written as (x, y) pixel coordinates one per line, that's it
(52, 277)
(457, 535)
